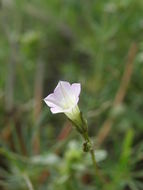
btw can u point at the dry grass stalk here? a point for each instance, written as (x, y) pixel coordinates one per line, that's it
(39, 79)
(120, 95)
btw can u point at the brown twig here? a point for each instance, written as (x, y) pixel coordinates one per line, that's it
(120, 95)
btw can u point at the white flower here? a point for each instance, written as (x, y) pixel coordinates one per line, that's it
(64, 99)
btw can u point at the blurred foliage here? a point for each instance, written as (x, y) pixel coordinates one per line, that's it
(43, 42)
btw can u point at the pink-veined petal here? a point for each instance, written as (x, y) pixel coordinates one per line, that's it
(56, 110)
(58, 93)
(76, 88)
(64, 94)
(64, 84)
(63, 89)
(51, 101)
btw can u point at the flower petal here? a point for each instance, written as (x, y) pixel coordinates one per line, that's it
(63, 89)
(64, 84)
(56, 110)
(76, 88)
(64, 94)
(51, 101)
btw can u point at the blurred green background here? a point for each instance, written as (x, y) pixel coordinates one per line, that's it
(98, 43)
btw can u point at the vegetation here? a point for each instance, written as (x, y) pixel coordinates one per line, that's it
(96, 43)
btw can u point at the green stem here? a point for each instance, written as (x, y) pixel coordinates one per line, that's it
(82, 127)
(95, 163)
(91, 151)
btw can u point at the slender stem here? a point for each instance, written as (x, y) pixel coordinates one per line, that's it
(91, 151)
(95, 163)
(28, 182)
(82, 128)
(87, 139)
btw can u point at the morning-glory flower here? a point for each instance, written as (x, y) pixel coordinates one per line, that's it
(64, 99)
